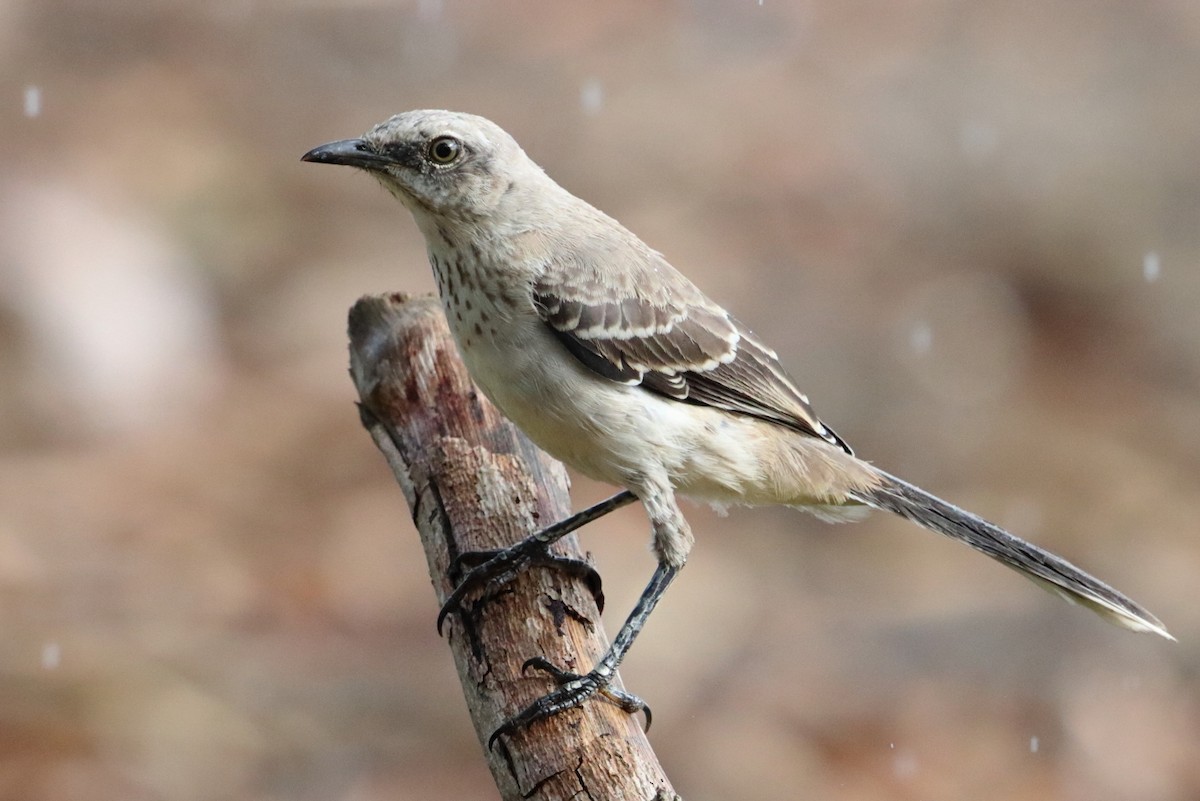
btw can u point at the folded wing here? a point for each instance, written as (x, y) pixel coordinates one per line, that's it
(651, 327)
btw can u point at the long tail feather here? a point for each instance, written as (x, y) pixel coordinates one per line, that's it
(1049, 571)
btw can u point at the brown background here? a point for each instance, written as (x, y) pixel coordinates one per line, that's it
(971, 229)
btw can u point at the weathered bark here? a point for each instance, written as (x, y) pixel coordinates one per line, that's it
(474, 482)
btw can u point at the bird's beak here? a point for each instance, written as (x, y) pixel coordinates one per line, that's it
(351, 152)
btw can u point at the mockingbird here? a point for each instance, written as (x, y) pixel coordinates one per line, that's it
(615, 363)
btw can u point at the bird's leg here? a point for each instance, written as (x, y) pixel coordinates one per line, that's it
(573, 688)
(497, 567)
(672, 543)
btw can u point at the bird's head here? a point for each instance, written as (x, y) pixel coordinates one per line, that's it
(444, 164)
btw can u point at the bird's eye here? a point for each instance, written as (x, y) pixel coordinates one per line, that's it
(445, 150)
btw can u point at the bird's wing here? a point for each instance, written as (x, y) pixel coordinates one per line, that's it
(651, 327)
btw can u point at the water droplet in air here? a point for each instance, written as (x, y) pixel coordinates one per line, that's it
(1151, 266)
(51, 655)
(921, 338)
(591, 97)
(33, 101)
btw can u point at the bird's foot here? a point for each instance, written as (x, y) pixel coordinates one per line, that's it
(492, 569)
(573, 690)
(498, 567)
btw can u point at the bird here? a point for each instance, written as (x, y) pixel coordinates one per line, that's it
(615, 363)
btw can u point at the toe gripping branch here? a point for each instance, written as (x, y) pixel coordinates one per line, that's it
(574, 688)
(493, 569)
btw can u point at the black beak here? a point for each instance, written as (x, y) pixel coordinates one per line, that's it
(352, 152)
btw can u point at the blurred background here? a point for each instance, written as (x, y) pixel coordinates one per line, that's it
(972, 230)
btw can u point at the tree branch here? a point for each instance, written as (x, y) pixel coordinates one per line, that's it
(474, 482)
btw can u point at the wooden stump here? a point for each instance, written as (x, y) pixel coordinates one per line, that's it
(473, 482)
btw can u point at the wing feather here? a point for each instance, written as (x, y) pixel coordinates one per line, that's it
(651, 327)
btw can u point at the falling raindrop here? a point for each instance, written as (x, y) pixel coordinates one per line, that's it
(51, 655)
(591, 97)
(1151, 266)
(1033, 745)
(33, 101)
(921, 338)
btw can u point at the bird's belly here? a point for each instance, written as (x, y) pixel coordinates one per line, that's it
(612, 432)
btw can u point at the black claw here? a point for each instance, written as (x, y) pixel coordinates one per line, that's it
(453, 603)
(442, 613)
(546, 666)
(500, 566)
(629, 703)
(506, 728)
(494, 565)
(592, 578)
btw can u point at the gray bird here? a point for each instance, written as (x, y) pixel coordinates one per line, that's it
(616, 364)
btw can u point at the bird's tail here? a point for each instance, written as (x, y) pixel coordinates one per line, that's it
(1054, 574)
